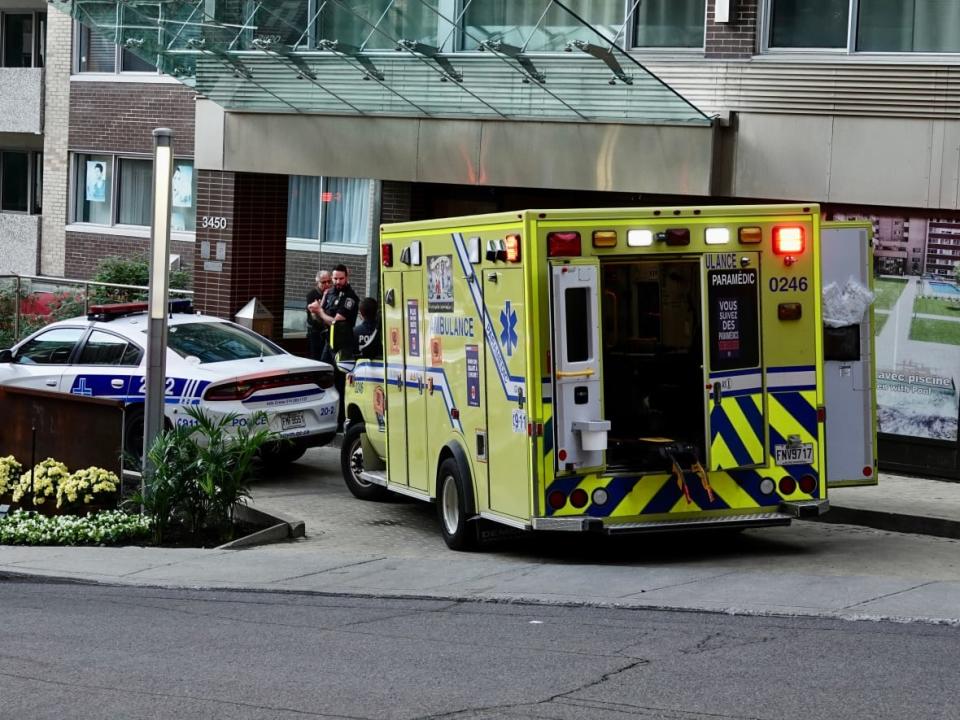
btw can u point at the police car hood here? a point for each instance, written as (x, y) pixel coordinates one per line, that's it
(267, 365)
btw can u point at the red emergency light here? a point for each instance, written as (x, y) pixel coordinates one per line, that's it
(386, 254)
(512, 243)
(788, 240)
(563, 244)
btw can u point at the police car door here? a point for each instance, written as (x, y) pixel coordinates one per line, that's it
(40, 362)
(733, 377)
(579, 428)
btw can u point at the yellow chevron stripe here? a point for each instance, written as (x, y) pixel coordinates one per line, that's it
(683, 506)
(740, 423)
(730, 492)
(785, 424)
(641, 495)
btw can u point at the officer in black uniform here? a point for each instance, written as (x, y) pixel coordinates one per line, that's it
(367, 333)
(318, 332)
(341, 317)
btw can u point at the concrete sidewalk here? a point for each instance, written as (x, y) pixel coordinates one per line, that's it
(393, 549)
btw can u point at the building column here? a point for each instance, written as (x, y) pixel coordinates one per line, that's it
(56, 123)
(241, 243)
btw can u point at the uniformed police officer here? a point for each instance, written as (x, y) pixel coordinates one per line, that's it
(341, 317)
(367, 333)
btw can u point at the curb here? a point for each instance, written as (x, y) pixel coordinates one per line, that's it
(276, 528)
(895, 522)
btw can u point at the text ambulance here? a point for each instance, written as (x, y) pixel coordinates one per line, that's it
(614, 370)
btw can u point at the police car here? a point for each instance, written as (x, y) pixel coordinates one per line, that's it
(216, 365)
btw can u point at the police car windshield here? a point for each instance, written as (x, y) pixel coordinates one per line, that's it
(218, 342)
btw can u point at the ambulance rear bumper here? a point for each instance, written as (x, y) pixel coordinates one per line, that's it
(599, 525)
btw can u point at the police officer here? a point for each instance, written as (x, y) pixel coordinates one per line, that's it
(318, 332)
(341, 317)
(367, 333)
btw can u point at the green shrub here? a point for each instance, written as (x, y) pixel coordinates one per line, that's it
(129, 271)
(199, 473)
(23, 527)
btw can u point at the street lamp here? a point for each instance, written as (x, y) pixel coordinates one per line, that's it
(159, 272)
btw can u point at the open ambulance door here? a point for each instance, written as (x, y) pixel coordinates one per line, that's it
(848, 362)
(580, 432)
(732, 367)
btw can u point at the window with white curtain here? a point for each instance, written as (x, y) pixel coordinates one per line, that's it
(329, 210)
(111, 190)
(889, 26)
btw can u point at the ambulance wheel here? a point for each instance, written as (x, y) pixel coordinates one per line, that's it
(278, 454)
(351, 463)
(458, 532)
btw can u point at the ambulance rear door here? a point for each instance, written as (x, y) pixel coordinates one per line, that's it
(848, 362)
(733, 372)
(579, 428)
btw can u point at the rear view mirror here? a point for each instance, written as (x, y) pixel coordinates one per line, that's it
(6, 356)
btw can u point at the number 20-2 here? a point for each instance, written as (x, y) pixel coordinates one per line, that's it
(788, 284)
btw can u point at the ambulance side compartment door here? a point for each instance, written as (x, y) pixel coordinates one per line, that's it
(848, 364)
(394, 319)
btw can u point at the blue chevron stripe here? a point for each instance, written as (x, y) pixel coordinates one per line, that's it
(617, 489)
(801, 410)
(720, 425)
(753, 416)
(548, 437)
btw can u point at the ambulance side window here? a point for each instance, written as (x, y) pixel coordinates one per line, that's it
(576, 310)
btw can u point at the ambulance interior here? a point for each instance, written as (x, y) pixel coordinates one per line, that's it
(652, 360)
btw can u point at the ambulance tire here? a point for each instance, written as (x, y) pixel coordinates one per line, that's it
(453, 499)
(351, 463)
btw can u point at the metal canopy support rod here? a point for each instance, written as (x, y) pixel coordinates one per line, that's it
(607, 57)
(506, 61)
(434, 54)
(376, 28)
(515, 53)
(283, 55)
(351, 55)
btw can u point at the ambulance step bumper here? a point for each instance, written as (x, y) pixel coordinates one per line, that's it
(375, 477)
(805, 508)
(584, 524)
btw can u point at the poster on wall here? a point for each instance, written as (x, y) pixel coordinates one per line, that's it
(917, 324)
(183, 186)
(96, 185)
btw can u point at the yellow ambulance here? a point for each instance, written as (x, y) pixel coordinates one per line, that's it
(614, 370)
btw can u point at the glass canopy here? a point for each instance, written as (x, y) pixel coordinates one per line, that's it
(508, 59)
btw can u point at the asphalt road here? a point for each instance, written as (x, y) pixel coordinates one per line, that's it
(77, 651)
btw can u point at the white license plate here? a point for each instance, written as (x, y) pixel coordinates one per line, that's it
(794, 454)
(291, 420)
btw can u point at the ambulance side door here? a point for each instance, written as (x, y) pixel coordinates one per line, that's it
(406, 402)
(848, 365)
(733, 372)
(506, 338)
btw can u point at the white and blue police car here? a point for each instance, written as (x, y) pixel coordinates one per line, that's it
(214, 364)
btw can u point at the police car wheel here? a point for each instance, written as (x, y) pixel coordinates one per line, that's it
(133, 429)
(351, 463)
(282, 453)
(458, 533)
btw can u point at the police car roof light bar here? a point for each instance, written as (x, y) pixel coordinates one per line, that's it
(111, 311)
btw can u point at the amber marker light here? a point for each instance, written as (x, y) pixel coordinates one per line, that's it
(604, 238)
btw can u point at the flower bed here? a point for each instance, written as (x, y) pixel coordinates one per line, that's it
(24, 527)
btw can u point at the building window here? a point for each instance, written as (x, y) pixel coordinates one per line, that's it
(528, 24)
(100, 52)
(328, 210)
(23, 39)
(18, 175)
(128, 200)
(670, 24)
(895, 26)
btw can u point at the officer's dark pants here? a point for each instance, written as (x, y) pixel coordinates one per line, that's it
(316, 343)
